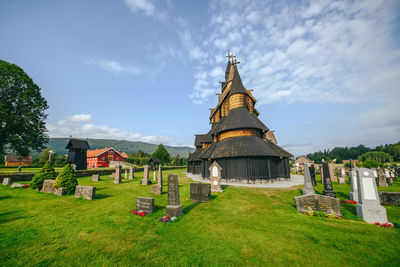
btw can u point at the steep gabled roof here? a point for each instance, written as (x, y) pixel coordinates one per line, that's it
(197, 140)
(239, 118)
(207, 138)
(77, 144)
(237, 85)
(228, 67)
(195, 156)
(206, 154)
(282, 152)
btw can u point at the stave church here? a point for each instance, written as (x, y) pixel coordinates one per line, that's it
(242, 145)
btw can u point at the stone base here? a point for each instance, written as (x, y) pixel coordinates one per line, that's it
(342, 180)
(354, 196)
(389, 198)
(382, 184)
(117, 181)
(372, 213)
(156, 189)
(95, 177)
(329, 193)
(174, 210)
(308, 192)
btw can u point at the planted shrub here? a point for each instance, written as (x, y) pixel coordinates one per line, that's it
(46, 173)
(66, 179)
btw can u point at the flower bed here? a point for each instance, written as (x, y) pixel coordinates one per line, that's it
(322, 214)
(348, 201)
(385, 225)
(140, 213)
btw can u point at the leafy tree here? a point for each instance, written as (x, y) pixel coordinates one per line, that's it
(376, 156)
(162, 154)
(44, 156)
(176, 161)
(46, 173)
(370, 164)
(22, 117)
(67, 179)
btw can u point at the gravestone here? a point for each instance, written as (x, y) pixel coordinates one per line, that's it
(174, 207)
(332, 173)
(47, 187)
(342, 177)
(117, 177)
(7, 181)
(322, 173)
(146, 180)
(131, 173)
(328, 188)
(329, 205)
(200, 192)
(351, 165)
(308, 187)
(157, 189)
(215, 177)
(389, 179)
(112, 175)
(382, 179)
(95, 177)
(154, 176)
(354, 188)
(389, 198)
(369, 208)
(85, 192)
(145, 204)
(126, 174)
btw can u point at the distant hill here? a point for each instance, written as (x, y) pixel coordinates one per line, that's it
(58, 145)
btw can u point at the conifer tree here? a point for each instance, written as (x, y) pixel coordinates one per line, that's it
(67, 179)
(46, 173)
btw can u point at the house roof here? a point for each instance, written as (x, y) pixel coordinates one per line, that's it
(303, 159)
(245, 146)
(98, 152)
(77, 144)
(16, 158)
(239, 118)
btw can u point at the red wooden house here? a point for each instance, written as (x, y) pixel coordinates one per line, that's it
(102, 157)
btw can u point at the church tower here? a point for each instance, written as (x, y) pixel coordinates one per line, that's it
(238, 141)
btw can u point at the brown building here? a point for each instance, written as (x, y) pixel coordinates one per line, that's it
(14, 160)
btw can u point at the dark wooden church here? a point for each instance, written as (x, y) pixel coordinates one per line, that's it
(77, 153)
(238, 141)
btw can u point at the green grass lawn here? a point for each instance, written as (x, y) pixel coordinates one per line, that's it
(239, 227)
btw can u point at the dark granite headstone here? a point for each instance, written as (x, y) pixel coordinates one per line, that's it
(145, 203)
(174, 207)
(85, 192)
(391, 198)
(326, 204)
(200, 192)
(328, 189)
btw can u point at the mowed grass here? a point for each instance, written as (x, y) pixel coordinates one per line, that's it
(239, 227)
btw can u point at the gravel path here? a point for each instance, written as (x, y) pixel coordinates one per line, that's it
(295, 180)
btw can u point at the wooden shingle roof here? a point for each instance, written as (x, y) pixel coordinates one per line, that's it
(77, 144)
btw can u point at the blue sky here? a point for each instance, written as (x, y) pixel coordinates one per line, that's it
(325, 73)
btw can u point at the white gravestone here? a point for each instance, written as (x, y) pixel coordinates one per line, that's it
(353, 183)
(215, 177)
(369, 208)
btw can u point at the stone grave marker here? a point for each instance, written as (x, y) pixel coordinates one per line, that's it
(215, 177)
(85, 192)
(154, 176)
(328, 188)
(353, 183)
(308, 187)
(145, 203)
(389, 179)
(174, 207)
(389, 198)
(332, 173)
(342, 177)
(322, 173)
(200, 192)
(7, 181)
(131, 173)
(326, 204)
(146, 180)
(381, 179)
(157, 188)
(95, 177)
(47, 187)
(112, 175)
(369, 208)
(117, 177)
(126, 174)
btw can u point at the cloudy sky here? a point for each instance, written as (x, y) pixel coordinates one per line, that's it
(325, 73)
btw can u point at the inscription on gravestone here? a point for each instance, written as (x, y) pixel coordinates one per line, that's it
(326, 204)
(200, 192)
(215, 177)
(174, 207)
(145, 203)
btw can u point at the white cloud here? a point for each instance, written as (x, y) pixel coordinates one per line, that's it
(115, 67)
(78, 126)
(145, 6)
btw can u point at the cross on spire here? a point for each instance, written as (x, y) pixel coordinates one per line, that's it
(230, 56)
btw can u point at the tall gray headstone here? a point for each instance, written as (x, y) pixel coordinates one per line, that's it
(126, 174)
(354, 187)
(146, 180)
(342, 177)
(131, 173)
(369, 208)
(332, 173)
(117, 177)
(154, 176)
(174, 207)
(308, 187)
(328, 188)
(381, 179)
(215, 177)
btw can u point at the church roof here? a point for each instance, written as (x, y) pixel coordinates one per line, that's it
(207, 138)
(228, 67)
(244, 146)
(197, 140)
(237, 85)
(195, 156)
(77, 144)
(239, 118)
(206, 154)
